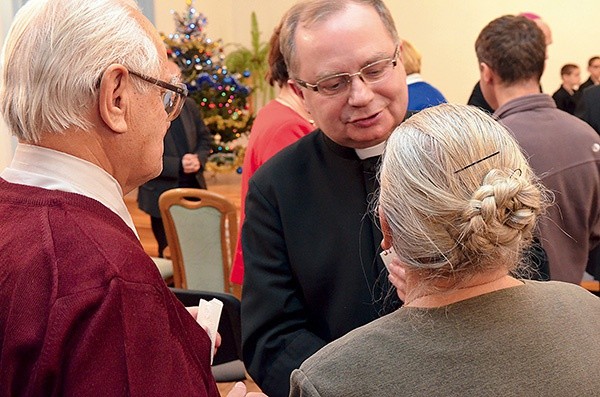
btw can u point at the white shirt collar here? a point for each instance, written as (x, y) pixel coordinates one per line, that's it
(53, 170)
(372, 151)
(413, 78)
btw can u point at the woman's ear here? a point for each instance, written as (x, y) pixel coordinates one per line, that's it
(387, 241)
(113, 98)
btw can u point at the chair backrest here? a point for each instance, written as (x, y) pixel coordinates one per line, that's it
(201, 228)
(227, 363)
(592, 285)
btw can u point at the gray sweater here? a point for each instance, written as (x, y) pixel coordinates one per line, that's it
(539, 339)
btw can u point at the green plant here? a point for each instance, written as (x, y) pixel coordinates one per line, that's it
(255, 61)
(222, 97)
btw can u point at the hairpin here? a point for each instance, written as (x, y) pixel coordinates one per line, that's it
(478, 161)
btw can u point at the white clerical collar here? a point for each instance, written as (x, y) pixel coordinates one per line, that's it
(53, 170)
(372, 151)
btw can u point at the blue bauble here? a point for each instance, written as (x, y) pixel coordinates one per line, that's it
(192, 87)
(239, 170)
(203, 78)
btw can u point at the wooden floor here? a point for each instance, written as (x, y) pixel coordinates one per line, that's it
(225, 387)
(226, 184)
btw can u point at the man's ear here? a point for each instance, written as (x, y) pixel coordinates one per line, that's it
(387, 241)
(487, 74)
(113, 98)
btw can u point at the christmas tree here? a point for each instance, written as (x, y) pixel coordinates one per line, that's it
(221, 95)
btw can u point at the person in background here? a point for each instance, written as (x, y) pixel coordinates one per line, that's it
(590, 105)
(85, 88)
(458, 203)
(278, 124)
(186, 149)
(563, 151)
(311, 248)
(567, 96)
(594, 71)
(593, 80)
(421, 94)
(477, 97)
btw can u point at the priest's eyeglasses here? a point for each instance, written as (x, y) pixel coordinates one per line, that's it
(173, 97)
(339, 83)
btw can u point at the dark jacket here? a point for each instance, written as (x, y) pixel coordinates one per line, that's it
(590, 107)
(187, 134)
(565, 101)
(312, 269)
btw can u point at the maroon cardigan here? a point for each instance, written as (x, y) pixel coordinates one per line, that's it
(84, 310)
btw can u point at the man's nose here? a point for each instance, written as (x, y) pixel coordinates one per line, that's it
(360, 92)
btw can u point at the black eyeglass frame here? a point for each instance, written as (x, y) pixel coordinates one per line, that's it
(180, 91)
(163, 84)
(315, 87)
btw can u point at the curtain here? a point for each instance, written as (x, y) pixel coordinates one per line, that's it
(147, 7)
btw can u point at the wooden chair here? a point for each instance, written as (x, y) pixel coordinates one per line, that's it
(592, 285)
(201, 228)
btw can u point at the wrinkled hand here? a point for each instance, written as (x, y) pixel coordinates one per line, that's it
(397, 277)
(239, 390)
(190, 163)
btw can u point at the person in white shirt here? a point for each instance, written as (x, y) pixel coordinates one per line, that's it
(85, 89)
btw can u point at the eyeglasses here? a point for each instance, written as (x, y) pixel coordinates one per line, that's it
(173, 98)
(339, 83)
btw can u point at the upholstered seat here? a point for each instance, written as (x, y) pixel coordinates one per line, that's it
(201, 229)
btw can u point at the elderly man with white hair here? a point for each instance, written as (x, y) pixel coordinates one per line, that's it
(85, 88)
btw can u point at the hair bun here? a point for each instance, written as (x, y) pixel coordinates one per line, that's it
(500, 211)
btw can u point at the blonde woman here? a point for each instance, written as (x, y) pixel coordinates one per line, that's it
(421, 94)
(458, 203)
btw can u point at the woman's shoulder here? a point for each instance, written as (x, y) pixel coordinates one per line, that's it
(563, 291)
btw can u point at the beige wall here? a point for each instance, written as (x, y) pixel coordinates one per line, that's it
(444, 31)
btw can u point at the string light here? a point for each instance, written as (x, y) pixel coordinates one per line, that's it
(221, 94)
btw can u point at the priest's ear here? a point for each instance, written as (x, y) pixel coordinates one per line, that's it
(296, 88)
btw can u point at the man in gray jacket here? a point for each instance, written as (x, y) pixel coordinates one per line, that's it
(563, 150)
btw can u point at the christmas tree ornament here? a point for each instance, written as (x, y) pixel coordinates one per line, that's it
(221, 96)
